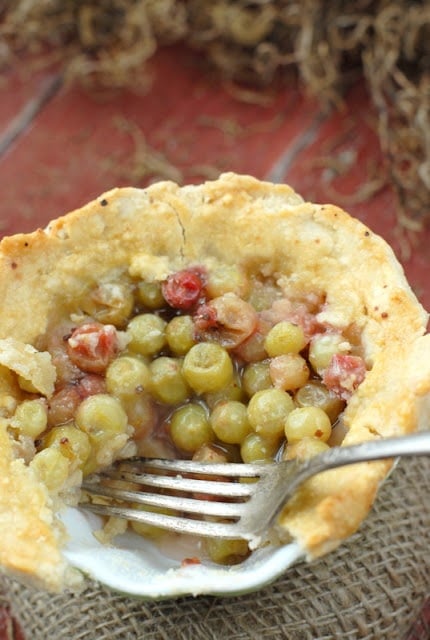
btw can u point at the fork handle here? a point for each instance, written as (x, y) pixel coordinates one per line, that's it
(416, 444)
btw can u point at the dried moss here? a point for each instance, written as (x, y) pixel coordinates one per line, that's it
(397, 67)
(326, 45)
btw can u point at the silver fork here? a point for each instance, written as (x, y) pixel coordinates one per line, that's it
(216, 503)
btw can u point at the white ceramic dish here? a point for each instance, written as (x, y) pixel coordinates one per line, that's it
(137, 567)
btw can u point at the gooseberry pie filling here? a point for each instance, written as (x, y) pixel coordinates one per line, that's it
(208, 364)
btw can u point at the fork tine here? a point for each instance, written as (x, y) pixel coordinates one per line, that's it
(177, 503)
(194, 509)
(179, 483)
(242, 523)
(235, 469)
(173, 523)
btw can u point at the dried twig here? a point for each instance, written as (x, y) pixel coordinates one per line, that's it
(146, 162)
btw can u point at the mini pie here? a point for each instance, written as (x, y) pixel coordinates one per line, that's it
(281, 326)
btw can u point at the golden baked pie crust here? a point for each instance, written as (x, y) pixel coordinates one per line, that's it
(267, 229)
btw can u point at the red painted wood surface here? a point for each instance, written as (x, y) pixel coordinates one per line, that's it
(61, 146)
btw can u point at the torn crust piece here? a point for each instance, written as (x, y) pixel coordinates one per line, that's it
(293, 300)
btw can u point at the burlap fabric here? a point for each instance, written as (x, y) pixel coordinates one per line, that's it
(372, 588)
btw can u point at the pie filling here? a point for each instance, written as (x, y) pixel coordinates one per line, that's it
(208, 364)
